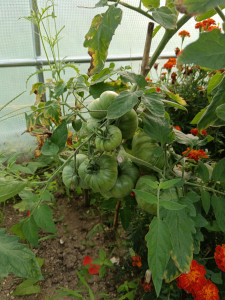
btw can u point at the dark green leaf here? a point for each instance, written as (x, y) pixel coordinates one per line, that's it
(219, 171)
(101, 3)
(100, 35)
(10, 188)
(27, 287)
(170, 183)
(122, 104)
(152, 184)
(159, 247)
(165, 17)
(220, 112)
(147, 197)
(200, 221)
(218, 204)
(205, 196)
(213, 43)
(49, 148)
(133, 78)
(77, 124)
(43, 218)
(157, 28)
(201, 6)
(158, 129)
(30, 231)
(171, 271)
(170, 205)
(154, 104)
(125, 216)
(203, 171)
(181, 228)
(208, 14)
(59, 136)
(16, 258)
(174, 104)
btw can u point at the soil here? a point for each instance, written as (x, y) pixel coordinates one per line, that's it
(64, 254)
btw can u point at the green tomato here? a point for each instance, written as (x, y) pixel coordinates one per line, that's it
(128, 124)
(100, 173)
(127, 176)
(69, 177)
(144, 147)
(141, 185)
(102, 103)
(110, 139)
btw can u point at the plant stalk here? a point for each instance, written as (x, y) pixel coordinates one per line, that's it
(220, 13)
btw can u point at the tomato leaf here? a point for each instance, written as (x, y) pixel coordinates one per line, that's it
(218, 173)
(213, 43)
(43, 218)
(203, 171)
(208, 14)
(27, 287)
(133, 78)
(171, 271)
(123, 103)
(201, 6)
(181, 228)
(170, 183)
(159, 247)
(220, 112)
(164, 16)
(30, 231)
(171, 205)
(151, 3)
(52, 110)
(99, 36)
(147, 197)
(205, 196)
(10, 188)
(16, 258)
(154, 104)
(218, 204)
(214, 82)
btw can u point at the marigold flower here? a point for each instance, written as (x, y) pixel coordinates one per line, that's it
(177, 128)
(93, 269)
(184, 33)
(203, 132)
(194, 131)
(208, 22)
(192, 281)
(195, 154)
(146, 286)
(174, 77)
(220, 257)
(170, 63)
(198, 25)
(208, 291)
(136, 261)
(210, 28)
(177, 50)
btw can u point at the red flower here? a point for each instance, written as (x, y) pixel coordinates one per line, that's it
(170, 63)
(198, 25)
(195, 154)
(184, 33)
(177, 128)
(146, 286)
(28, 213)
(93, 269)
(194, 131)
(208, 291)
(210, 28)
(192, 281)
(136, 261)
(220, 257)
(132, 194)
(158, 90)
(148, 79)
(203, 132)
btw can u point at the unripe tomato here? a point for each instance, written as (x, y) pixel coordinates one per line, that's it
(109, 140)
(128, 124)
(102, 103)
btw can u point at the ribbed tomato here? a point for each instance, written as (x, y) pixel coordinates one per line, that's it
(128, 124)
(109, 139)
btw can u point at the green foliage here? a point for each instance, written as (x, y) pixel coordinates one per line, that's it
(201, 6)
(165, 16)
(9, 188)
(16, 258)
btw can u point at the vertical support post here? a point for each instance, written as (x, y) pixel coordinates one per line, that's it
(37, 43)
(144, 66)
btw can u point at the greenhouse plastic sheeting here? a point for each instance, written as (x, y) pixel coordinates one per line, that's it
(16, 42)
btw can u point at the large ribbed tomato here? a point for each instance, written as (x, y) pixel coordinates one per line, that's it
(97, 106)
(109, 138)
(69, 176)
(128, 124)
(144, 147)
(127, 176)
(99, 173)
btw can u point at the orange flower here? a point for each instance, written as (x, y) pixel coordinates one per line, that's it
(158, 89)
(208, 22)
(203, 132)
(177, 128)
(220, 256)
(194, 131)
(170, 63)
(192, 281)
(195, 154)
(199, 25)
(210, 28)
(208, 291)
(136, 261)
(146, 286)
(184, 33)
(179, 52)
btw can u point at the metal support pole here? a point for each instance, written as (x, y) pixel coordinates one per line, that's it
(37, 44)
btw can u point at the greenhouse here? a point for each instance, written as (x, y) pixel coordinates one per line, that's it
(112, 149)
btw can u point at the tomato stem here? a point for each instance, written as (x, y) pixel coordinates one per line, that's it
(116, 215)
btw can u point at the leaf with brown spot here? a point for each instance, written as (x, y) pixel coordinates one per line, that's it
(99, 36)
